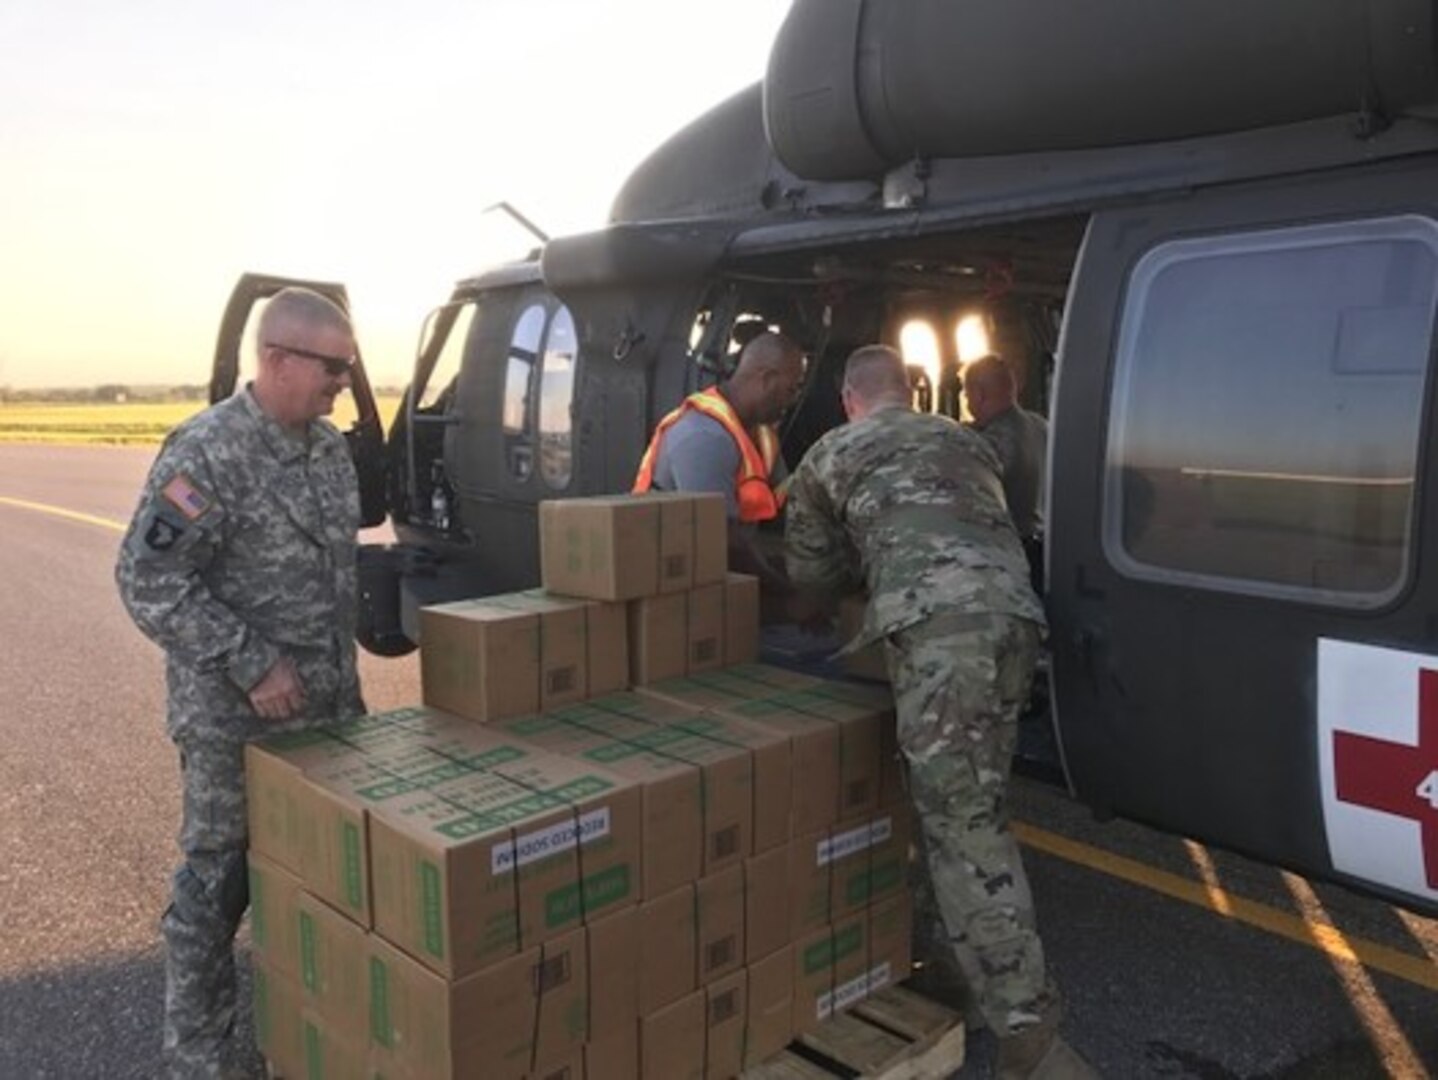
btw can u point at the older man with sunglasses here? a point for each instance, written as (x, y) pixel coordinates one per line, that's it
(240, 564)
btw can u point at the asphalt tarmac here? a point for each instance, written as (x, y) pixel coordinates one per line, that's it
(1176, 961)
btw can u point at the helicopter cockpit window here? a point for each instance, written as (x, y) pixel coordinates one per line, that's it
(556, 398)
(1266, 411)
(439, 380)
(518, 379)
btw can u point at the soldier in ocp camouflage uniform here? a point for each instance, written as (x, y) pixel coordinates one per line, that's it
(911, 506)
(240, 564)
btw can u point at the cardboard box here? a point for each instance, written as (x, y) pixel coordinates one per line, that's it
(331, 964)
(296, 1040)
(851, 964)
(603, 548)
(569, 1068)
(858, 719)
(671, 1041)
(479, 661)
(473, 871)
(891, 934)
(613, 1055)
(706, 629)
(676, 541)
(667, 945)
(523, 1017)
(813, 970)
(711, 538)
(607, 636)
(771, 762)
(276, 1010)
(769, 1019)
(842, 870)
(613, 974)
(693, 524)
(719, 913)
(563, 644)
(726, 772)
(741, 619)
(725, 1019)
(670, 793)
(658, 637)
(766, 903)
(274, 926)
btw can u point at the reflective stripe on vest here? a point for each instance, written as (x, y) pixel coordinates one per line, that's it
(757, 501)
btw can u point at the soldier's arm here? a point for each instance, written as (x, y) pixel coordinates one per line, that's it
(816, 550)
(172, 539)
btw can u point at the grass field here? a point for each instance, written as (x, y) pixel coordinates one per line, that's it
(126, 424)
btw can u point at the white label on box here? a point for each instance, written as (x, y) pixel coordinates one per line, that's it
(853, 991)
(847, 843)
(542, 843)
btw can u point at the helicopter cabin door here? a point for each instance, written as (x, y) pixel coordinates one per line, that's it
(1243, 545)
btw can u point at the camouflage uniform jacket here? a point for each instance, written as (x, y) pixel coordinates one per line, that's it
(1021, 439)
(243, 550)
(910, 506)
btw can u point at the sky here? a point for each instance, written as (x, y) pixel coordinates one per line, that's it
(151, 151)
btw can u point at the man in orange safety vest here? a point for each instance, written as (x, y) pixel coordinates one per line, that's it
(723, 440)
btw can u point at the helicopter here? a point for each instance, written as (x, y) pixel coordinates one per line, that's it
(1204, 233)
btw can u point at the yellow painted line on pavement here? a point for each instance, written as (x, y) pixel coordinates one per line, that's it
(60, 511)
(1415, 969)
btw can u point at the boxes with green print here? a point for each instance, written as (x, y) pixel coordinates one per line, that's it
(471, 871)
(503, 1023)
(300, 785)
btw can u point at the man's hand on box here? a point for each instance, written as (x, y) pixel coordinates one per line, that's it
(279, 695)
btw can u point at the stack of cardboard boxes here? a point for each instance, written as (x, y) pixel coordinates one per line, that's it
(609, 845)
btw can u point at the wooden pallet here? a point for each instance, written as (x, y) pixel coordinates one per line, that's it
(895, 1034)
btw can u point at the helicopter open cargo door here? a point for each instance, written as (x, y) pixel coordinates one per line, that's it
(365, 436)
(1243, 529)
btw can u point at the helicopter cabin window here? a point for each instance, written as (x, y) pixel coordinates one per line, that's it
(1266, 410)
(518, 378)
(556, 398)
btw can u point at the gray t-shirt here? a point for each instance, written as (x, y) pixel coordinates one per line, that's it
(698, 454)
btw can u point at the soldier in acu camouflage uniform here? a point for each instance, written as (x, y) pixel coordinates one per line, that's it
(240, 564)
(911, 506)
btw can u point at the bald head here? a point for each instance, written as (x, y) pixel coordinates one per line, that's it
(989, 387)
(874, 375)
(767, 380)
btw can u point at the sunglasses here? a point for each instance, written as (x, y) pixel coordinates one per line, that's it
(335, 366)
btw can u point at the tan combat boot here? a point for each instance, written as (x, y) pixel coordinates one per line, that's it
(1040, 1053)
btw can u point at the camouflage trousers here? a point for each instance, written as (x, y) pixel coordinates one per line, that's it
(960, 682)
(209, 895)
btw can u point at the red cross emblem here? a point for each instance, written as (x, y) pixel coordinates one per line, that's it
(1394, 777)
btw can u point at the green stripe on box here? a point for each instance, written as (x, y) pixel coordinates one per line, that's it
(314, 1053)
(819, 955)
(848, 941)
(570, 902)
(380, 1027)
(431, 909)
(259, 931)
(307, 952)
(353, 865)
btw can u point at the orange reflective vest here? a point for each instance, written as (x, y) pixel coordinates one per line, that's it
(756, 499)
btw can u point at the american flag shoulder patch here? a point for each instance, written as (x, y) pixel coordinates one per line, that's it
(182, 494)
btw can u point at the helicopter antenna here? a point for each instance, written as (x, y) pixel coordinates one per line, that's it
(517, 216)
